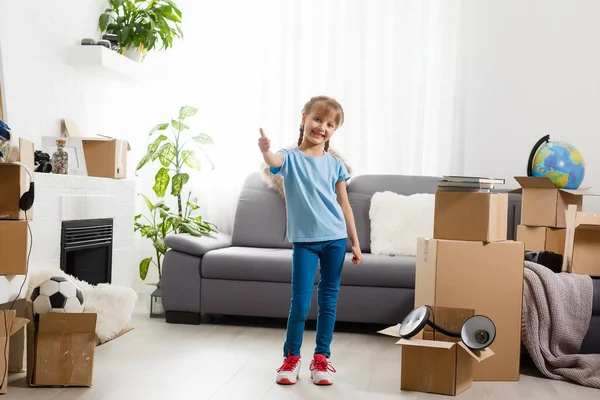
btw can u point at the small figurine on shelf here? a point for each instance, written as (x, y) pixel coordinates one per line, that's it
(60, 158)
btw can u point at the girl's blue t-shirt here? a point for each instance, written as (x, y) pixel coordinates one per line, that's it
(313, 212)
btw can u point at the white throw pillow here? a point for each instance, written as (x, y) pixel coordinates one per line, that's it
(398, 220)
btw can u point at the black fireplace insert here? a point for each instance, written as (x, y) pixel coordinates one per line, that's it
(86, 249)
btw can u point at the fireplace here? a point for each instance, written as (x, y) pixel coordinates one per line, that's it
(86, 249)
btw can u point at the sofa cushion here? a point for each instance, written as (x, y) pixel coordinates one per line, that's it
(361, 204)
(275, 265)
(260, 219)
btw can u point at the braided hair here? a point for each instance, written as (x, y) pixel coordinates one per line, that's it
(329, 104)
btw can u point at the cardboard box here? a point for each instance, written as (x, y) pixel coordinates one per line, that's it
(470, 216)
(486, 277)
(13, 247)
(60, 349)
(582, 244)
(17, 359)
(9, 325)
(106, 157)
(14, 180)
(444, 365)
(542, 238)
(543, 204)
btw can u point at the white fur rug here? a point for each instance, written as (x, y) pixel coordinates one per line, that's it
(113, 304)
(397, 221)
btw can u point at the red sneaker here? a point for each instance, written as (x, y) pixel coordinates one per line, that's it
(321, 370)
(289, 372)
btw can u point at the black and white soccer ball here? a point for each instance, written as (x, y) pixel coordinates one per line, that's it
(57, 295)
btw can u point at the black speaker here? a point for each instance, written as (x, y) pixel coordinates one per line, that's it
(477, 333)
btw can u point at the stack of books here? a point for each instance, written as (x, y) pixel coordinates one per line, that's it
(469, 184)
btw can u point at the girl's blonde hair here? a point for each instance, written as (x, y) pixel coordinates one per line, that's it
(328, 104)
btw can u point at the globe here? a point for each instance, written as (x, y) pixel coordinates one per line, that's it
(559, 161)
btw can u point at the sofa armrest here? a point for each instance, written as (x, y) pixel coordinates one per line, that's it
(197, 246)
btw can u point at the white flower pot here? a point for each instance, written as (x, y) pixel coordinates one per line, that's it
(132, 53)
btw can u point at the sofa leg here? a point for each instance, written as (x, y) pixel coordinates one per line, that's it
(182, 317)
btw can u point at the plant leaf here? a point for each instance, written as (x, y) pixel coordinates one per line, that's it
(152, 147)
(193, 206)
(148, 202)
(144, 265)
(180, 126)
(143, 161)
(166, 154)
(137, 217)
(177, 183)
(148, 231)
(190, 159)
(159, 245)
(103, 22)
(187, 111)
(161, 181)
(191, 228)
(203, 139)
(159, 127)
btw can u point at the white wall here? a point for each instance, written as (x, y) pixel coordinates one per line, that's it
(40, 88)
(530, 68)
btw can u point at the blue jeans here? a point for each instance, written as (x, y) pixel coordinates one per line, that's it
(306, 257)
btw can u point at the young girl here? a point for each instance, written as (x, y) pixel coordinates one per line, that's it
(319, 222)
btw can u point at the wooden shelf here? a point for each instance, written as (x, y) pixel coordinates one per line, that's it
(100, 59)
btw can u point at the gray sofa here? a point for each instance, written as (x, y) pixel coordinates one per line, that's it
(249, 272)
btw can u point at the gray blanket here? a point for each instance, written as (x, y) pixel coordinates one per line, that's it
(557, 309)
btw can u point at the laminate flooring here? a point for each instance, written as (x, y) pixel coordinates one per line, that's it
(236, 358)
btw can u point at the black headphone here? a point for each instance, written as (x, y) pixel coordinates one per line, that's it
(26, 200)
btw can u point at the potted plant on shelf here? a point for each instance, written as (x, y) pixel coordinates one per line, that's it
(173, 147)
(141, 25)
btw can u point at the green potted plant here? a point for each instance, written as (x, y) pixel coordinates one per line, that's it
(142, 25)
(173, 147)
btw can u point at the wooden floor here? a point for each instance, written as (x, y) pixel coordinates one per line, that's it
(237, 359)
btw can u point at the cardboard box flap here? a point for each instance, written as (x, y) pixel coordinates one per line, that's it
(580, 191)
(107, 139)
(426, 343)
(534, 182)
(67, 323)
(541, 182)
(478, 355)
(393, 331)
(13, 323)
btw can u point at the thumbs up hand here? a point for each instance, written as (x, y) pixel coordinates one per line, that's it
(263, 142)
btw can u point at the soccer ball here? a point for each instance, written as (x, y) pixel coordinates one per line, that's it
(57, 295)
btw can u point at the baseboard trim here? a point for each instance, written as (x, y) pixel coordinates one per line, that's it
(182, 317)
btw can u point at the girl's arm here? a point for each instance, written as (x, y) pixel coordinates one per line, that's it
(342, 196)
(273, 160)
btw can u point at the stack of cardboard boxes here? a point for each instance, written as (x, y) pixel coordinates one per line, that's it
(60, 347)
(14, 246)
(470, 265)
(552, 220)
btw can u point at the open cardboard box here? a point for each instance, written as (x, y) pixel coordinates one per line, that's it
(12, 326)
(60, 348)
(105, 157)
(14, 180)
(582, 242)
(543, 204)
(443, 365)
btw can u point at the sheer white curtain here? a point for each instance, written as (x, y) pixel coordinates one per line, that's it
(392, 64)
